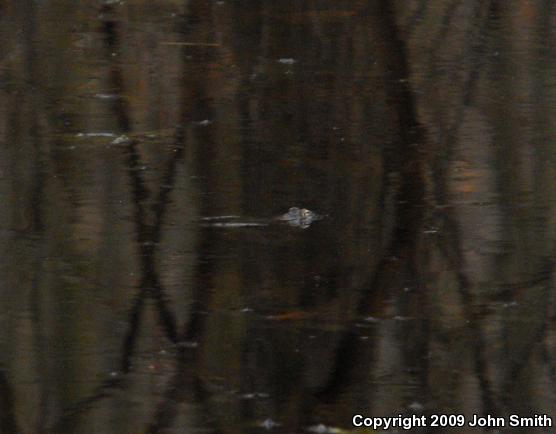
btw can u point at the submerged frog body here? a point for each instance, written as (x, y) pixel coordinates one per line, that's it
(296, 217)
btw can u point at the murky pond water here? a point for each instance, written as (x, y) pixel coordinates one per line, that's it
(270, 216)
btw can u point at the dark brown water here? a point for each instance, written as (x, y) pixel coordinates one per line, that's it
(422, 131)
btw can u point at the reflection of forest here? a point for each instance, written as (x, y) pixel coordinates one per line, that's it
(423, 130)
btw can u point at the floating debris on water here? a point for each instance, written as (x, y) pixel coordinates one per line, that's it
(189, 344)
(203, 123)
(254, 395)
(96, 134)
(323, 429)
(269, 424)
(106, 95)
(286, 61)
(416, 406)
(120, 140)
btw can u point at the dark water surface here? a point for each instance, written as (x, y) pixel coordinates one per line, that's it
(422, 131)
